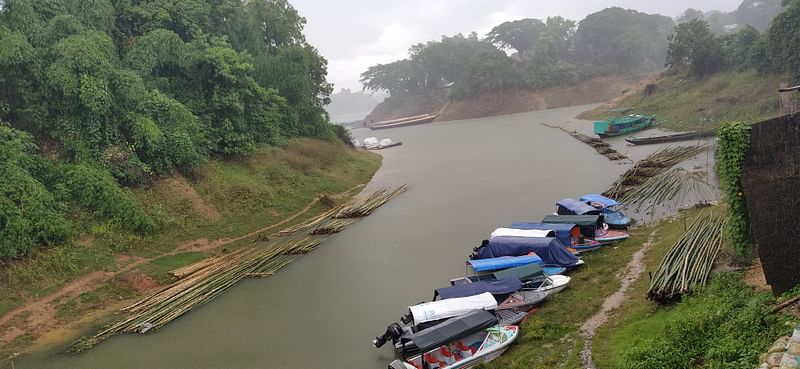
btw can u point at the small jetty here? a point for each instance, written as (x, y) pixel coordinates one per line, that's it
(402, 122)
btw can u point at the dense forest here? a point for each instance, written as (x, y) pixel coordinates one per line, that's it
(96, 95)
(533, 53)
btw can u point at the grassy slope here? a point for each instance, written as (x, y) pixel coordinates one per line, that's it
(639, 321)
(550, 338)
(684, 102)
(222, 199)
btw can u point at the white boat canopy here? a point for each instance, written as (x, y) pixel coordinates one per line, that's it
(449, 308)
(510, 232)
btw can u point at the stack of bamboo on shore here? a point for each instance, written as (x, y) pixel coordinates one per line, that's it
(201, 282)
(651, 166)
(688, 263)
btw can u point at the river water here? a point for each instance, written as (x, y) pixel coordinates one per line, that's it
(322, 311)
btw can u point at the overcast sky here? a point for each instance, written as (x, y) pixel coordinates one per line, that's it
(356, 34)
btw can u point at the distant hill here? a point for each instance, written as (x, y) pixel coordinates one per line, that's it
(756, 13)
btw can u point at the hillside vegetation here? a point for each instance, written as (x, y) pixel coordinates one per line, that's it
(100, 97)
(716, 78)
(682, 103)
(219, 201)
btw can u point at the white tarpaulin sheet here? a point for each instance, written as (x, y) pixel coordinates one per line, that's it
(385, 142)
(510, 232)
(371, 143)
(449, 308)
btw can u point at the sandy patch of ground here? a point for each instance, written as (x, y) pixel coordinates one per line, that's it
(632, 272)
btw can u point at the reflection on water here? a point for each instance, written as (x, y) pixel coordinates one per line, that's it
(322, 311)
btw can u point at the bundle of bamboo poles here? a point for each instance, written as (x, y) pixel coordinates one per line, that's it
(653, 165)
(332, 226)
(201, 282)
(672, 186)
(365, 206)
(688, 263)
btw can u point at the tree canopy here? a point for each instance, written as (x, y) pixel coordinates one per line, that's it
(124, 90)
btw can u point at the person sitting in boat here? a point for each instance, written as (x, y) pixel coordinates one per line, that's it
(477, 249)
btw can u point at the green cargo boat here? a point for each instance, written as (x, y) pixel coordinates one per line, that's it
(623, 125)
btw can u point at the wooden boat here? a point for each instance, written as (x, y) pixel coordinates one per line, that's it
(670, 138)
(402, 122)
(612, 235)
(623, 125)
(462, 342)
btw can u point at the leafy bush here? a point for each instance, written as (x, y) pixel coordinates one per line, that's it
(343, 134)
(95, 190)
(29, 213)
(726, 325)
(733, 142)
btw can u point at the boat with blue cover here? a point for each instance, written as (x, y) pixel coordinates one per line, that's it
(592, 226)
(611, 209)
(623, 125)
(549, 249)
(575, 207)
(483, 266)
(568, 234)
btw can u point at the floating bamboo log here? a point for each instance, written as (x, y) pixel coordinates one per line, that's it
(201, 282)
(687, 265)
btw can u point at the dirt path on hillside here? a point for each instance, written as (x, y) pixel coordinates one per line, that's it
(36, 317)
(632, 272)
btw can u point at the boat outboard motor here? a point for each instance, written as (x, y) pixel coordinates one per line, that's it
(477, 249)
(393, 332)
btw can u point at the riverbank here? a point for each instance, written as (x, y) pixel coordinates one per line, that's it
(223, 205)
(497, 103)
(682, 103)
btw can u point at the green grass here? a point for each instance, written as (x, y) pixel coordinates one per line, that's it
(159, 268)
(681, 102)
(247, 193)
(640, 325)
(550, 337)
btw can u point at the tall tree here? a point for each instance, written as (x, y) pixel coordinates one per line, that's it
(520, 35)
(694, 46)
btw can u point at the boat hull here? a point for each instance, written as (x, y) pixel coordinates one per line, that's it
(402, 122)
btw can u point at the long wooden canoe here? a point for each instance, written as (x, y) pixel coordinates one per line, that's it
(670, 138)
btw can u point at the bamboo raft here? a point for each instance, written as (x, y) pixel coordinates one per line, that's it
(688, 263)
(201, 282)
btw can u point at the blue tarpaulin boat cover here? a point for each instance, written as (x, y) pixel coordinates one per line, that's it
(563, 231)
(600, 199)
(575, 207)
(591, 225)
(550, 249)
(485, 265)
(501, 287)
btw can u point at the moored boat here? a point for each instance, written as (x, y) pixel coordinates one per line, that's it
(549, 249)
(462, 342)
(623, 125)
(611, 209)
(569, 234)
(402, 122)
(670, 138)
